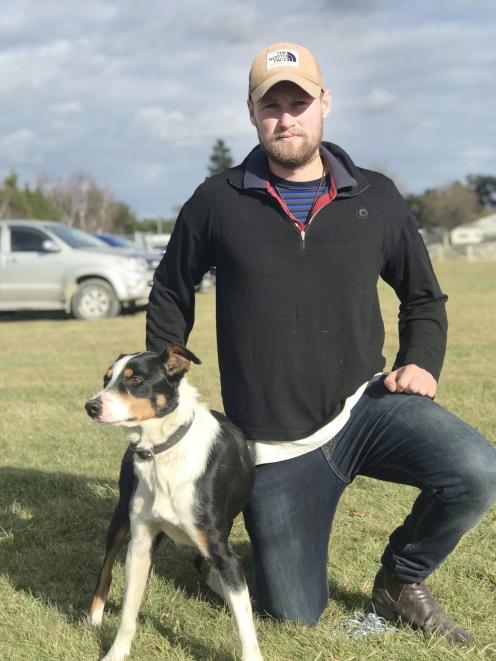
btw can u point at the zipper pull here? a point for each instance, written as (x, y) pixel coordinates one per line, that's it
(302, 234)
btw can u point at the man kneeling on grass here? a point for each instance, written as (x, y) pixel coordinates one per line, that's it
(299, 235)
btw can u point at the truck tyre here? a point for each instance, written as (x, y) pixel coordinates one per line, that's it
(95, 299)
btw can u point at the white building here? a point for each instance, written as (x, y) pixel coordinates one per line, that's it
(478, 231)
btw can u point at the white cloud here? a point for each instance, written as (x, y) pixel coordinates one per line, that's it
(67, 107)
(480, 157)
(379, 99)
(21, 147)
(232, 23)
(159, 124)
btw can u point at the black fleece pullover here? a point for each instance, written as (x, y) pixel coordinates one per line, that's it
(299, 327)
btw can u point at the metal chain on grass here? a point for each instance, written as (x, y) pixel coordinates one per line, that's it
(360, 625)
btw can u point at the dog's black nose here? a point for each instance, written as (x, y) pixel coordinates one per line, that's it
(93, 407)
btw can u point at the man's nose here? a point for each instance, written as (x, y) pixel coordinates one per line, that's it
(94, 407)
(286, 120)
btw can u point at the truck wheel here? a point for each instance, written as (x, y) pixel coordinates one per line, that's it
(95, 299)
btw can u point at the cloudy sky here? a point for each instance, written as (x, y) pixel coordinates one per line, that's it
(135, 94)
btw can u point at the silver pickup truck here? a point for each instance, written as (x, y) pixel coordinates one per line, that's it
(50, 266)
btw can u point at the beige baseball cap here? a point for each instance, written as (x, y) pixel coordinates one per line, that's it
(283, 61)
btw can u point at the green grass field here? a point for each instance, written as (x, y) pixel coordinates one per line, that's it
(58, 487)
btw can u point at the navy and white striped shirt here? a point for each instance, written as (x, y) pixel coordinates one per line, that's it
(300, 196)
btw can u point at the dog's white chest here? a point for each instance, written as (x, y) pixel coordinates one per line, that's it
(165, 499)
(173, 517)
(173, 506)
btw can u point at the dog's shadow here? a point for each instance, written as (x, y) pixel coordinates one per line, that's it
(53, 528)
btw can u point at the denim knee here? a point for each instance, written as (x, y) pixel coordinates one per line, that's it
(481, 486)
(476, 480)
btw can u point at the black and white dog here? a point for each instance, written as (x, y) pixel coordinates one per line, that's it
(188, 472)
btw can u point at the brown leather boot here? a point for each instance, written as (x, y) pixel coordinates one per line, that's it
(414, 603)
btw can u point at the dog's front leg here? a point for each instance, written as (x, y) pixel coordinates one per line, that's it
(138, 561)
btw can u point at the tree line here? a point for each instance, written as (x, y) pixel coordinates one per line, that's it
(79, 201)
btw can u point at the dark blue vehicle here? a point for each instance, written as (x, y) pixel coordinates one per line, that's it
(127, 246)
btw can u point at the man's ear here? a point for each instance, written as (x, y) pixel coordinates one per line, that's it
(251, 108)
(326, 102)
(177, 359)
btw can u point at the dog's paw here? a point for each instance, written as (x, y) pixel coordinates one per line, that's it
(115, 654)
(94, 619)
(254, 655)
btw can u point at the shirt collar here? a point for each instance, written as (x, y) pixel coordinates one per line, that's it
(257, 170)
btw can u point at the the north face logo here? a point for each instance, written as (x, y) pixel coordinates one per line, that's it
(282, 58)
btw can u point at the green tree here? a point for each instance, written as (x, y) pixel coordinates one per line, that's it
(42, 206)
(220, 158)
(484, 186)
(13, 201)
(416, 202)
(124, 220)
(16, 202)
(156, 225)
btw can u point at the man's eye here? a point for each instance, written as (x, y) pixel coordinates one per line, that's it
(136, 380)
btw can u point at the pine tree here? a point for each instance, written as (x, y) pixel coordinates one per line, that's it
(220, 158)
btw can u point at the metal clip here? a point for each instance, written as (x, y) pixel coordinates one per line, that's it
(146, 455)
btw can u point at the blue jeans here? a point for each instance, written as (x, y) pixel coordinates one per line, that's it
(400, 438)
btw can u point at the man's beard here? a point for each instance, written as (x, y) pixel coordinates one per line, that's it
(289, 155)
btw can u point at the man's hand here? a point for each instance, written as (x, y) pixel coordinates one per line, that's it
(411, 380)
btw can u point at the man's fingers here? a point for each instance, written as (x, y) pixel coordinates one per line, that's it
(395, 381)
(411, 380)
(422, 384)
(403, 381)
(390, 381)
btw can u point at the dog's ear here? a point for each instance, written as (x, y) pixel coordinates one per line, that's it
(177, 359)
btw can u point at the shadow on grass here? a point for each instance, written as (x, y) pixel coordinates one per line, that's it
(33, 315)
(36, 315)
(52, 537)
(353, 601)
(52, 534)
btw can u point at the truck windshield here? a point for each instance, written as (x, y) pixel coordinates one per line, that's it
(73, 237)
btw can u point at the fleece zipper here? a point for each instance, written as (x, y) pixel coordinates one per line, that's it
(301, 228)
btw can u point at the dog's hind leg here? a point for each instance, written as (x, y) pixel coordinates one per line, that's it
(138, 562)
(230, 572)
(116, 535)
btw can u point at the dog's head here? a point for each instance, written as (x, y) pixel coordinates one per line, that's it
(141, 386)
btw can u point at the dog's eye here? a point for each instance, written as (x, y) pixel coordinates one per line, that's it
(135, 380)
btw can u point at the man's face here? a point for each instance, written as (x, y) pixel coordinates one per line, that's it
(289, 123)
